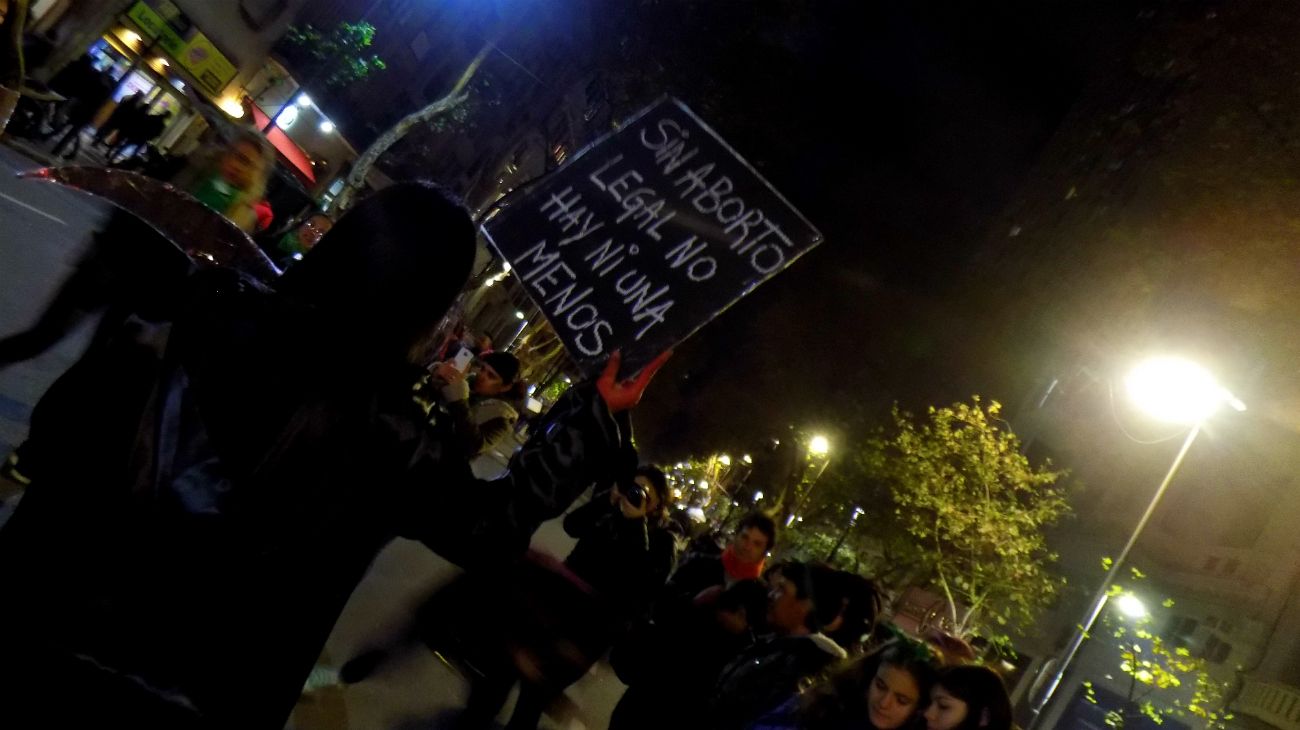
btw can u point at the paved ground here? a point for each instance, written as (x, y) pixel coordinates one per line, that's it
(42, 231)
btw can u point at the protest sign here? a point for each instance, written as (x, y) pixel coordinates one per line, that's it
(647, 235)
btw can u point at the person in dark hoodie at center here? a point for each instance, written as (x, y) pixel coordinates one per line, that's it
(238, 467)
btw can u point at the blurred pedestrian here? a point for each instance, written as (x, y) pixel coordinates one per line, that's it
(670, 670)
(884, 690)
(127, 113)
(94, 91)
(804, 598)
(231, 178)
(136, 133)
(128, 267)
(229, 476)
(969, 697)
(623, 556)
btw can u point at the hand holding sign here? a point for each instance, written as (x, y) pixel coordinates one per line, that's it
(622, 395)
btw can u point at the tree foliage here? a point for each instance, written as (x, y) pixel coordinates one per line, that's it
(975, 509)
(340, 56)
(1164, 679)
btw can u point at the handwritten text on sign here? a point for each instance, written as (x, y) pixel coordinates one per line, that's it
(646, 236)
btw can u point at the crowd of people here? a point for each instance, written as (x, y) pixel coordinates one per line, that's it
(122, 130)
(207, 485)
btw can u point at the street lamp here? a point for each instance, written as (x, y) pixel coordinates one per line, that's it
(1170, 389)
(1131, 606)
(819, 446)
(853, 520)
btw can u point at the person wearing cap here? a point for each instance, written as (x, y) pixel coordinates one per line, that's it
(480, 417)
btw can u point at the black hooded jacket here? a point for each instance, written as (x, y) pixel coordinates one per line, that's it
(229, 475)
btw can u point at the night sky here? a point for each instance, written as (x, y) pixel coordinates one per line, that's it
(902, 130)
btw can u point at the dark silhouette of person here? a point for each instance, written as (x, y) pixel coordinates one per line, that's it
(230, 473)
(81, 113)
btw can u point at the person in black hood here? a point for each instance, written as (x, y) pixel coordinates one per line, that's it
(238, 467)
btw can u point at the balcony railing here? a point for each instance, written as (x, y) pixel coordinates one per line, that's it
(1276, 704)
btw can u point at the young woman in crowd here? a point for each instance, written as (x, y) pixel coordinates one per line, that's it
(884, 690)
(968, 697)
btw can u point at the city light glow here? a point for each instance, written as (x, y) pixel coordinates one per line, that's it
(1177, 391)
(819, 445)
(1131, 606)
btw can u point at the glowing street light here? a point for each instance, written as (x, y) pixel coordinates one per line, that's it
(1169, 389)
(725, 460)
(819, 446)
(1175, 390)
(232, 107)
(1131, 606)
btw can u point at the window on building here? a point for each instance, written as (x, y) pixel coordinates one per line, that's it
(1216, 650)
(1179, 630)
(1210, 564)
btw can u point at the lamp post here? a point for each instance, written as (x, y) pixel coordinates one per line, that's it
(818, 446)
(853, 520)
(1172, 390)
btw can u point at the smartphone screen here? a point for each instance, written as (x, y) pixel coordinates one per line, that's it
(463, 359)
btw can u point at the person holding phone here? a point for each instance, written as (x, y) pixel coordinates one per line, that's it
(474, 397)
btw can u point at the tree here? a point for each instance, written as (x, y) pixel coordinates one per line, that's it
(340, 56)
(356, 179)
(13, 69)
(975, 509)
(1164, 679)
